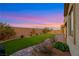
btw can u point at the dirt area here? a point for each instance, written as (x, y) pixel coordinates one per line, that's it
(57, 32)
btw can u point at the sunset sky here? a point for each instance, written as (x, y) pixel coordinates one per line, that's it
(33, 15)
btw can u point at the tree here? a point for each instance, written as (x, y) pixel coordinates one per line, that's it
(45, 30)
(62, 27)
(6, 31)
(32, 32)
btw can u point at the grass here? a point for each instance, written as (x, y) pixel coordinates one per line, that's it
(18, 44)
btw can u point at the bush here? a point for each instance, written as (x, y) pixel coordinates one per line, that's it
(45, 30)
(2, 50)
(61, 46)
(6, 32)
(22, 36)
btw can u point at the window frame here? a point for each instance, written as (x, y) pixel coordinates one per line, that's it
(71, 21)
(74, 26)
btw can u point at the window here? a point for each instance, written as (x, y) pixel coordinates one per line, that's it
(72, 25)
(71, 22)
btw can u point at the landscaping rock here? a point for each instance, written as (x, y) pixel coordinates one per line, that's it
(24, 52)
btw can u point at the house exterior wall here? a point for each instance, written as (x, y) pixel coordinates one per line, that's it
(65, 29)
(74, 47)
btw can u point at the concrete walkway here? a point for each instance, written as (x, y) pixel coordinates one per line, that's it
(59, 37)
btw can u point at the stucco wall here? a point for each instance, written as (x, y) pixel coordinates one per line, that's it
(74, 48)
(25, 31)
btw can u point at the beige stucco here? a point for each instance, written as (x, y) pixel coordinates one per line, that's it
(74, 48)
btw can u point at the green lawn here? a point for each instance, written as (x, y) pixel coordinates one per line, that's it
(15, 45)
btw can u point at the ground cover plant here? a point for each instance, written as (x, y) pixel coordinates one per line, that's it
(61, 46)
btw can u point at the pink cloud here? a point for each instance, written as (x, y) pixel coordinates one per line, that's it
(53, 25)
(49, 20)
(53, 20)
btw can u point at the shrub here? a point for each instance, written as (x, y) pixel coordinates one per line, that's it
(6, 31)
(22, 36)
(45, 30)
(2, 50)
(61, 46)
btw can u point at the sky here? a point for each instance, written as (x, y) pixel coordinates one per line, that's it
(32, 15)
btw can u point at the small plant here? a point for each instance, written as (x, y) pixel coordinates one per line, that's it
(22, 36)
(61, 46)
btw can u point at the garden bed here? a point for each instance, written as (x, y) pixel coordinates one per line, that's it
(58, 52)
